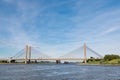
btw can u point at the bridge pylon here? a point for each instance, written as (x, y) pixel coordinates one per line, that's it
(27, 54)
(85, 58)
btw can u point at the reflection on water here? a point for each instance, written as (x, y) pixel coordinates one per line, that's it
(58, 72)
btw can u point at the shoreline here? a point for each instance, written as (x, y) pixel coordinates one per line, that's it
(67, 64)
(100, 64)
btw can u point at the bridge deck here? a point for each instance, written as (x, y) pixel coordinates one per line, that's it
(52, 59)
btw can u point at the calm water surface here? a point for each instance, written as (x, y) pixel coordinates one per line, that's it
(58, 72)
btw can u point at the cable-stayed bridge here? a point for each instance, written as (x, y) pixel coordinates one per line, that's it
(30, 53)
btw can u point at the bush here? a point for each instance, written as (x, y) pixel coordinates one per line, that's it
(118, 61)
(3, 61)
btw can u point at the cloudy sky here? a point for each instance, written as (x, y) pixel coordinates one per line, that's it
(59, 26)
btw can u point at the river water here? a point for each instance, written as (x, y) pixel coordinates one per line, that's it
(58, 72)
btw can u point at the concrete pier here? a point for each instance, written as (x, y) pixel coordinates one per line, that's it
(58, 61)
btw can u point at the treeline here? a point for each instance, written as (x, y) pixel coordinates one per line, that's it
(110, 57)
(3, 61)
(107, 59)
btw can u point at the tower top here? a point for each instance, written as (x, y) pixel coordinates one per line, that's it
(84, 43)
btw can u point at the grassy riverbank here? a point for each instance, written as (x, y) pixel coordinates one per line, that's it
(105, 62)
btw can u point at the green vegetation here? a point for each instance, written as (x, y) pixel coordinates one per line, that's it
(3, 61)
(94, 61)
(110, 59)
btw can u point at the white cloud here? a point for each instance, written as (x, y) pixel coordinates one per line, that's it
(109, 30)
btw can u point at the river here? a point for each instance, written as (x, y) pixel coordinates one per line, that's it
(58, 72)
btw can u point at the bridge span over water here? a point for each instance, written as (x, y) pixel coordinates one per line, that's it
(83, 53)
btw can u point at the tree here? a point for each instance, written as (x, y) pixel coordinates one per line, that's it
(111, 57)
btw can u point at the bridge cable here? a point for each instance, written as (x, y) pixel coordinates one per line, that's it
(94, 52)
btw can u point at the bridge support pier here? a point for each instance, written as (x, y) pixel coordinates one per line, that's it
(28, 61)
(58, 61)
(9, 61)
(35, 61)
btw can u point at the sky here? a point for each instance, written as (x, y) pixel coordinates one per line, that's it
(57, 27)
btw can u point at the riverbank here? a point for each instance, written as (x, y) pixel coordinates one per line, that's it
(100, 64)
(81, 64)
(113, 62)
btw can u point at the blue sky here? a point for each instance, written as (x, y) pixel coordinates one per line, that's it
(59, 26)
